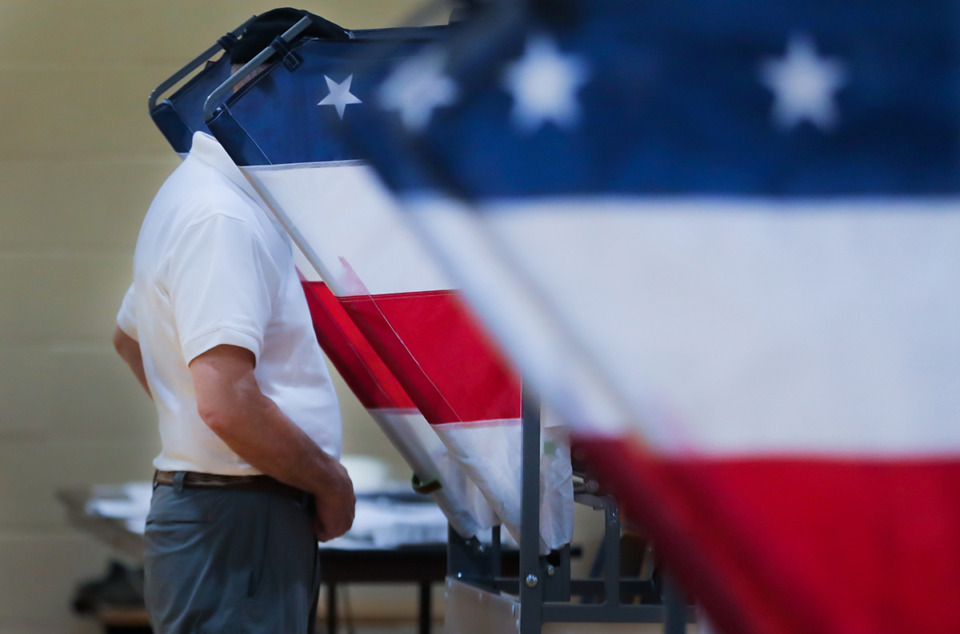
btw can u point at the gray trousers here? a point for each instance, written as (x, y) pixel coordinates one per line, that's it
(229, 560)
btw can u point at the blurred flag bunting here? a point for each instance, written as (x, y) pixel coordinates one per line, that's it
(721, 238)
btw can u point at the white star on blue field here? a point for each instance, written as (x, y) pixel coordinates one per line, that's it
(543, 84)
(340, 96)
(418, 87)
(804, 85)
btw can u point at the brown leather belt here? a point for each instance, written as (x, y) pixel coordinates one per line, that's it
(194, 480)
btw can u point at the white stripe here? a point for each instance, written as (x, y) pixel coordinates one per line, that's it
(491, 457)
(733, 326)
(343, 218)
(493, 422)
(461, 501)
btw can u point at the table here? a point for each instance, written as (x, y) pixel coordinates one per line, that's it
(113, 531)
(423, 564)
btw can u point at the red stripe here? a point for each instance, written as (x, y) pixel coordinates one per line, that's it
(795, 545)
(351, 354)
(448, 365)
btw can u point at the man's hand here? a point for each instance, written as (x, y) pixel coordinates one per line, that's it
(335, 505)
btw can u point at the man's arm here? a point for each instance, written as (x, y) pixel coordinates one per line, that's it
(129, 350)
(231, 404)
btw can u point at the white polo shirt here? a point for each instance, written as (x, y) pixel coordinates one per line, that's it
(211, 267)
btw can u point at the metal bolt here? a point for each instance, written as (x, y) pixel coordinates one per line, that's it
(551, 570)
(459, 575)
(532, 581)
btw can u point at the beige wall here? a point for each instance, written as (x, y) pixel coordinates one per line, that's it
(79, 163)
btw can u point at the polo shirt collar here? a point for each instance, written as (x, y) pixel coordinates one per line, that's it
(208, 149)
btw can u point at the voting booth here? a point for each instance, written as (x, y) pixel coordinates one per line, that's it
(179, 115)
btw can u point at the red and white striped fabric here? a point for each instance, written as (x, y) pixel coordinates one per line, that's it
(351, 232)
(380, 393)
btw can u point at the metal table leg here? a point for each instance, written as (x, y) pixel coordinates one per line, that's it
(331, 608)
(426, 614)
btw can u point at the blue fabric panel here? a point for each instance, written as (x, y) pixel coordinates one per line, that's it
(278, 114)
(674, 103)
(181, 114)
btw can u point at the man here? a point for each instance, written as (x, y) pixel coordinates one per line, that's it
(216, 328)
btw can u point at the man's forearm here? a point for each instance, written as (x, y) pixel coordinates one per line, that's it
(259, 432)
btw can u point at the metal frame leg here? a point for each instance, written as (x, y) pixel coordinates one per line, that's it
(531, 573)
(674, 606)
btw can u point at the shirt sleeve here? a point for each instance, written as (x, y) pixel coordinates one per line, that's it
(222, 286)
(127, 315)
